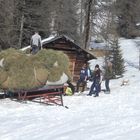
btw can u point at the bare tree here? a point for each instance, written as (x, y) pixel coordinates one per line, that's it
(87, 22)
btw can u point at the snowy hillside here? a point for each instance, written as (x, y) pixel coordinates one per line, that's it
(114, 116)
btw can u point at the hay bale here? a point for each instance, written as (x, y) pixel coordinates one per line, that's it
(3, 76)
(21, 71)
(41, 76)
(18, 79)
(49, 58)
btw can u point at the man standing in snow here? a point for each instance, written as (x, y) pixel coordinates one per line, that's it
(107, 75)
(35, 43)
(97, 79)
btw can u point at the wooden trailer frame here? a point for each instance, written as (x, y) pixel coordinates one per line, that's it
(52, 95)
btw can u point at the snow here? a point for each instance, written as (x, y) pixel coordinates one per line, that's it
(131, 55)
(95, 45)
(114, 116)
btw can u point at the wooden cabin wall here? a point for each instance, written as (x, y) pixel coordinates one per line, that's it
(76, 63)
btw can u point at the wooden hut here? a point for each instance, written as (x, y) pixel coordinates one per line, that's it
(77, 55)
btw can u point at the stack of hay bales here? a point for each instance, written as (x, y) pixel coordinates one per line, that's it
(19, 71)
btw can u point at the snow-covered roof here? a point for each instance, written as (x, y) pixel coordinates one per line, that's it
(47, 40)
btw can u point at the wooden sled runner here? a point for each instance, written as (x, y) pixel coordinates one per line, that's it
(51, 95)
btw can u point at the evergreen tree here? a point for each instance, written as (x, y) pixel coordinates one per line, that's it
(20, 18)
(118, 61)
(8, 28)
(65, 17)
(127, 12)
(32, 19)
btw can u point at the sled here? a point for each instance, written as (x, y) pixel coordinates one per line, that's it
(51, 95)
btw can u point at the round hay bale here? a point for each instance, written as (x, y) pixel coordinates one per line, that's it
(3, 76)
(41, 76)
(22, 72)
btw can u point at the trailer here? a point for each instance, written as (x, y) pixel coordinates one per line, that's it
(50, 95)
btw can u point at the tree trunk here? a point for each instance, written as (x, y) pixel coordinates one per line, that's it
(87, 23)
(21, 30)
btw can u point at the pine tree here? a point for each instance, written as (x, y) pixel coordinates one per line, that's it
(118, 61)
(65, 18)
(32, 19)
(127, 12)
(7, 27)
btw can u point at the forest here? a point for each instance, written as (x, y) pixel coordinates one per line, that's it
(79, 19)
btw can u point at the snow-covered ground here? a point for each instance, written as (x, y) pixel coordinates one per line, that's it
(114, 116)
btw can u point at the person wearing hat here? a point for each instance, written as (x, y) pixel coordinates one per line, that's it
(97, 79)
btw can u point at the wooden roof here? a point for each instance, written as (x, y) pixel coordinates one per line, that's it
(73, 45)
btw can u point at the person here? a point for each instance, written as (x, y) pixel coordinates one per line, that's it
(107, 75)
(83, 78)
(69, 88)
(97, 79)
(35, 43)
(68, 91)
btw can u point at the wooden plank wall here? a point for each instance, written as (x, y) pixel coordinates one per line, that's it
(76, 63)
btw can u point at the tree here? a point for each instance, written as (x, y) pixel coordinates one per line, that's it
(127, 12)
(26, 16)
(87, 22)
(32, 19)
(110, 36)
(64, 17)
(8, 37)
(118, 61)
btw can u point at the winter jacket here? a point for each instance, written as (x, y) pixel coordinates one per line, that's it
(36, 40)
(108, 73)
(97, 76)
(68, 91)
(83, 74)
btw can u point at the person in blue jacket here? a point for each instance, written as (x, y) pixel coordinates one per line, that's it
(83, 78)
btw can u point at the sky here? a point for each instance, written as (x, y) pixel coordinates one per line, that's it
(114, 116)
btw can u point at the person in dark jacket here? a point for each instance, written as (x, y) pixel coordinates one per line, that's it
(83, 78)
(97, 79)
